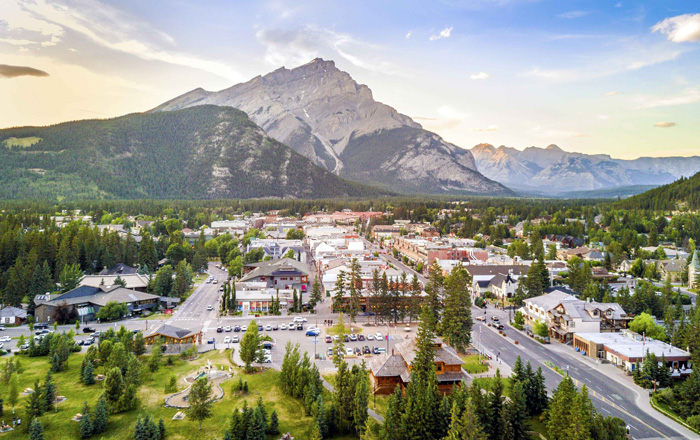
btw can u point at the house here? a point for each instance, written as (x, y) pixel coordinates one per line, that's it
(483, 275)
(389, 370)
(85, 301)
(627, 349)
(276, 249)
(671, 269)
(694, 271)
(13, 316)
(566, 315)
(503, 286)
(285, 273)
(171, 335)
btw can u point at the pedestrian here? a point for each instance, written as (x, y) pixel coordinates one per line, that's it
(19, 421)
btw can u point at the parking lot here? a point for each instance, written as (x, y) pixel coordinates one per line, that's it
(319, 347)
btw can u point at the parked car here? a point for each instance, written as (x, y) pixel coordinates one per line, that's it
(313, 332)
(235, 339)
(329, 339)
(96, 335)
(366, 350)
(330, 351)
(210, 307)
(348, 351)
(244, 328)
(494, 318)
(211, 341)
(260, 327)
(375, 349)
(268, 328)
(300, 327)
(360, 337)
(480, 318)
(5, 339)
(219, 329)
(292, 326)
(346, 338)
(299, 319)
(41, 326)
(89, 341)
(353, 337)
(87, 330)
(275, 327)
(227, 339)
(237, 328)
(283, 327)
(499, 326)
(228, 329)
(2, 328)
(267, 345)
(24, 347)
(370, 337)
(378, 336)
(357, 351)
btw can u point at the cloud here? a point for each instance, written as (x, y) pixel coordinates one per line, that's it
(408, 34)
(111, 29)
(689, 96)
(665, 124)
(613, 93)
(680, 29)
(573, 14)
(489, 128)
(480, 75)
(299, 46)
(445, 33)
(7, 71)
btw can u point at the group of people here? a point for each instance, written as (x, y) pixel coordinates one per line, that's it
(16, 421)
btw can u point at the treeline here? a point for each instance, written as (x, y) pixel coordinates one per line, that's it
(683, 193)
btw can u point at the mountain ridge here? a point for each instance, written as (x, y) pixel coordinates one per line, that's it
(325, 115)
(202, 152)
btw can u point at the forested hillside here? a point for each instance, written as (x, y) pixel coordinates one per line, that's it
(201, 152)
(681, 194)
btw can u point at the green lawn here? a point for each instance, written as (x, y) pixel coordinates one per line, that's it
(58, 424)
(473, 365)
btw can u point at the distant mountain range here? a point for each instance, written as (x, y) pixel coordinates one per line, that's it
(553, 171)
(323, 114)
(203, 152)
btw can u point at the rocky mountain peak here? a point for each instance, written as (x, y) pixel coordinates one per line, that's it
(553, 148)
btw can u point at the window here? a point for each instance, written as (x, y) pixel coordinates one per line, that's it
(572, 324)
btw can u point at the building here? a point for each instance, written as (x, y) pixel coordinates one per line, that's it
(482, 276)
(671, 269)
(12, 316)
(171, 335)
(285, 273)
(85, 301)
(503, 286)
(119, 269)
(133, 281)
(627, 349)
(694, 271)
(389, 370)
(276, 249)
(566, 315)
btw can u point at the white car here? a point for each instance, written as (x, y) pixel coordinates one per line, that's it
(378, 336)
(210, 308)
(370, 337)
(235, 340)
(283, 327)
(5, 339)
(299, 319)
(348, 352)
(227, 339)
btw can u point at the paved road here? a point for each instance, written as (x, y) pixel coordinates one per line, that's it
(388, 257)
(610, 396)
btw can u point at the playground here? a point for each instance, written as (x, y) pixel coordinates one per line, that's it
(215, 377)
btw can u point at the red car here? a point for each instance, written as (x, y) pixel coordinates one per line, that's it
(329, 339)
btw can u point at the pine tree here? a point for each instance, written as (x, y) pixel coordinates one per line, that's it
(538, 400)
(100, 416)
(496, 408)
(517, 412)
(457, 322)
(161, 429)
(86, 428)
(114, 386)
(49, 391)
(199, 400)
(36, 430)
(560, 410)
(360, 403)
(315, 432)
(35, 402)
(338, 298)
(273, 427)
(263, 413)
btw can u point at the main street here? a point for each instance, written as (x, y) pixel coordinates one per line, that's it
(611, 393)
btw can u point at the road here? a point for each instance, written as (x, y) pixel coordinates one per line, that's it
(388, 257)
(611, 395)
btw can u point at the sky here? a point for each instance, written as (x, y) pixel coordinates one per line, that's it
(599, 77)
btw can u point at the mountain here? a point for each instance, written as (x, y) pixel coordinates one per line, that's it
(323, 114)
(201, 152)
(553, 171)
(619, 192)
(681, 194)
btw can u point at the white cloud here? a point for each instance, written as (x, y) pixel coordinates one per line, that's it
(112, 29)
(445, 33)
(680, 29)
(480, 75)
(299, 46)
(665, 124)
(408, 34)
(573, 14)
(689, 96)
(613, 93)
(489, 128)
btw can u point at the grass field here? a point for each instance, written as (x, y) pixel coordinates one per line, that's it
(58, 424)
(473, 364)
(21, 142)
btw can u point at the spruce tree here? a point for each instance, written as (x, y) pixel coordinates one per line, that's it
(517, 412)
(456, 325)
(86, 428)
(273, 426)
(36, 430)
(100, 416)
(495, 403)
(49, 391)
